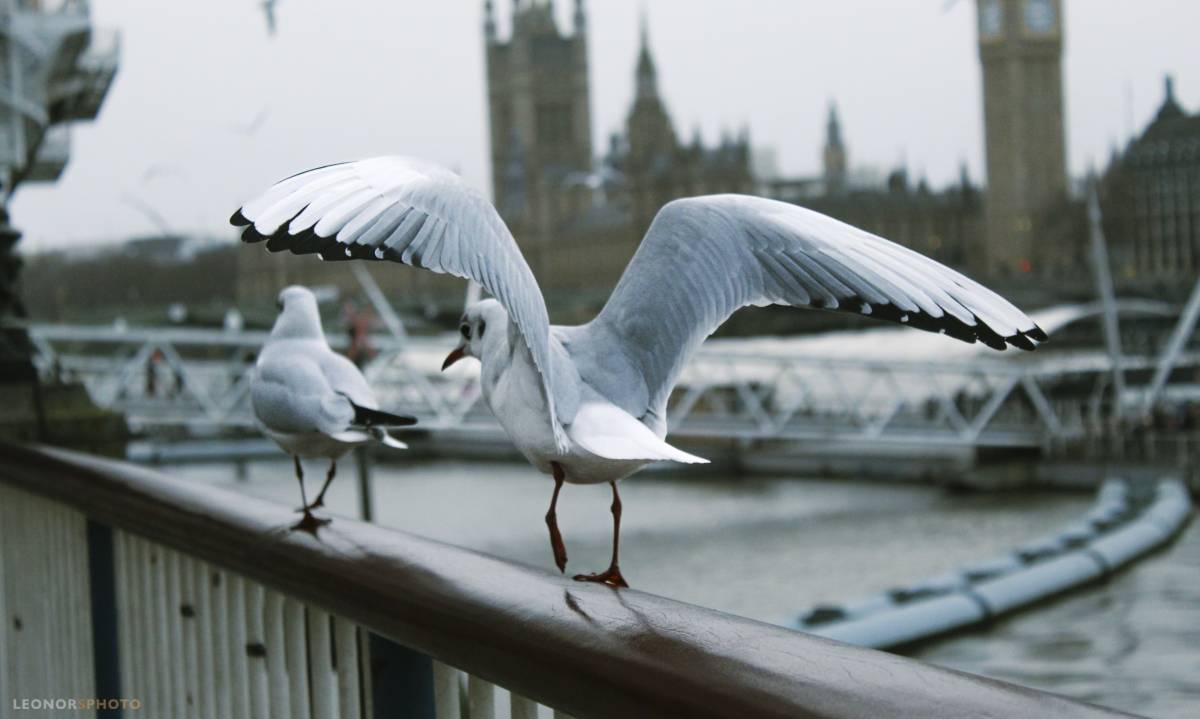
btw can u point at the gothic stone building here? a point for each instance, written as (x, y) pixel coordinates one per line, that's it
(578, 214)
(1023, 225)
(945, 224)
(579, 218)
(1151, 199)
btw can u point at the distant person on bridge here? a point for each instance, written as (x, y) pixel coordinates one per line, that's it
(358, 321)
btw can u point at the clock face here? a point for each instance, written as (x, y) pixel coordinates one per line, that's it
(991, 19)
(1039, 15)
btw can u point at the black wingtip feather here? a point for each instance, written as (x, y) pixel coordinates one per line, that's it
(947, 324)
(237, 219)
(306, 242)
(1022, 342)
(361, 252)
(279, 241)
(989, 336)
(252, 235)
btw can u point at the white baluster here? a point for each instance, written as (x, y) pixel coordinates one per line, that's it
(257, 660)
(297, 658)
(280, 699)
(522, 708)
(206, 683)
(320, 662)
(221, 652)
(188, 617)
(239, 686)
(8, 538)
(176, 650)
(345, 639)
(446, 691)
(481, 696)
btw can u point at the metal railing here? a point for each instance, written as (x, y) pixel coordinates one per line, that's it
(120, 583)
(172, 377)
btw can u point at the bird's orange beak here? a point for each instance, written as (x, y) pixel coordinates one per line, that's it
(456, 355)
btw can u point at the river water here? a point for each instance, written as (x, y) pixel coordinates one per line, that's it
(772, 547)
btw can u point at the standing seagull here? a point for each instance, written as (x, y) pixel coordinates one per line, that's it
(588, 404)
(313, 402)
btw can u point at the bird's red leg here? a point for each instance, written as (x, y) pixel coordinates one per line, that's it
(308, 523)
(556, 540)
(612, 575)
(300, 479)
(320, 500)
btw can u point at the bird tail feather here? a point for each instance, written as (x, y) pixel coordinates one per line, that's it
(367, 417)
(380, 435)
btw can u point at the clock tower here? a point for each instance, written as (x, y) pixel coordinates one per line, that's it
(1020, 48)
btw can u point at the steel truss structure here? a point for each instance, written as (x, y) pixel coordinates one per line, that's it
(195, 379)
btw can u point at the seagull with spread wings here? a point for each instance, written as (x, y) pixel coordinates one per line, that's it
(313, 402)
(588, 404)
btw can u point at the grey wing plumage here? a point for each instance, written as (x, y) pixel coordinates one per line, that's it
(704, 258)
(411, 212)
(345, 378)
(291, 394)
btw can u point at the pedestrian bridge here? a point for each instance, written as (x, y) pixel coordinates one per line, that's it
(163, 378)
(123, 588)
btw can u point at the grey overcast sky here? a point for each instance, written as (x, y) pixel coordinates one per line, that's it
(356, 78)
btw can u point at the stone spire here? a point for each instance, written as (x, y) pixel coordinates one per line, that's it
(489, 22)
(647, 75)
(834, 153)
(649, 130)
(580, 19)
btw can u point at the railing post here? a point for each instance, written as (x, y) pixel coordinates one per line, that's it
(401, 681)
(362, 463)
(106, 658)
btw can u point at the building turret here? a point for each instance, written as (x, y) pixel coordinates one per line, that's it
(1170, 109)
(489, 22)
(538, 94)
(580, 20)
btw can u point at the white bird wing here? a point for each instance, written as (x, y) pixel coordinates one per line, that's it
(290, 394)
(706, 257)
(413, 212)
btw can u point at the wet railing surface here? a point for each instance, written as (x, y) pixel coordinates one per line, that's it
(585, 650)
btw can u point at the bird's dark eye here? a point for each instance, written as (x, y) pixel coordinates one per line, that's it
(279, 305)
(465, 329)
(482, 328)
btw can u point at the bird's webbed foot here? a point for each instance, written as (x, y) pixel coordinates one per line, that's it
(611, 576)
(310, 523)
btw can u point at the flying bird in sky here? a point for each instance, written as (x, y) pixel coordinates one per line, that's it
(313, 402)
(268, 7)
(255, 123)
(588, 404)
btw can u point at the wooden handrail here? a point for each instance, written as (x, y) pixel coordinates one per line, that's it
(585, 649)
